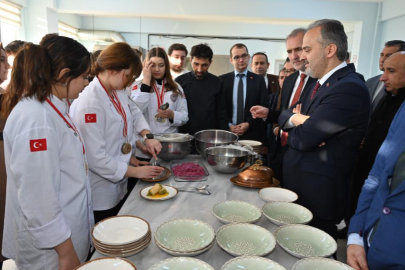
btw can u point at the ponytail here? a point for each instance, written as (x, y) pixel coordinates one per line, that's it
(30, 77)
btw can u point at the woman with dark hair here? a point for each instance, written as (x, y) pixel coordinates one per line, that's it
(4, 66)
(109, 120)
(48, 204)
(156, 89)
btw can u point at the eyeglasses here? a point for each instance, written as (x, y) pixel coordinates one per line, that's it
(243, 56)
(289, 71)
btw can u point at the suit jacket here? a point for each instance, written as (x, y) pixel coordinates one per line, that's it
(256, 94)
(273, 85)
(387, 249)
(339, 114)
(372, 85)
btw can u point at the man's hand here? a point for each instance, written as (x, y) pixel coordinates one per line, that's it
(276, 130)
(243, 127)
(356, 257)
(298, 118)
(259, 112)
(154, 147)
(166, 114)
(234, 129)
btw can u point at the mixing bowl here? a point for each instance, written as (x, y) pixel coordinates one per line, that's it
(226, 160)
(213, 137)
(174, 146)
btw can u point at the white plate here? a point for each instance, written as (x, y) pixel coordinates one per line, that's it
(181, 263)
(320, 263)
(250, 143)
(107, 264)
(120, 230)
(275, 194)
(191, 254)
(126, 253)
(172, 193)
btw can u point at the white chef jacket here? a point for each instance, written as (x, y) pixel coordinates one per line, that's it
(48, 191)
(148, 104)
(103, 135)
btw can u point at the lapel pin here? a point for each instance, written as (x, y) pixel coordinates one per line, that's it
(327, 85)
(251, 77)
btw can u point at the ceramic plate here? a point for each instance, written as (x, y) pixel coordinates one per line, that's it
(124, 253)
(120, 230)
(184, 235)
(250, 143)
(107, 264)
(320, 263)
(236, 211)
(304, 241)
(272, 194)
(172, 193)
(181, 263)
(245, 239)
(167, 174)
(251, 262)
(282, 213)
(189, 254)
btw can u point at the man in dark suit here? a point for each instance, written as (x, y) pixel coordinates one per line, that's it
(293, 88)
(260, 64)
(326, 131)
(374, 85)
(243, 89)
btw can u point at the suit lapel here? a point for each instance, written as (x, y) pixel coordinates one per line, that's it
(286, 94)
(249, 87)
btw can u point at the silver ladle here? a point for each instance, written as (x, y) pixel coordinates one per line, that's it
(201, 190)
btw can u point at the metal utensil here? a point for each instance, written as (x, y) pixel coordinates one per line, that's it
(201, 190)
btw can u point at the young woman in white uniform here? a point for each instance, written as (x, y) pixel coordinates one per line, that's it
(48, 203)
(108, 120)
(157, 88)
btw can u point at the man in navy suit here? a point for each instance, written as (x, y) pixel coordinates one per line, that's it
(376, 231)
(326, 131)
(243, 89)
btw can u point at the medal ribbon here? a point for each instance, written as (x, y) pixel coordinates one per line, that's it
(161, 96)
(72, 126)
(117, 105)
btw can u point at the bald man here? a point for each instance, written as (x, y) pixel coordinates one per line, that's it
(376, 231)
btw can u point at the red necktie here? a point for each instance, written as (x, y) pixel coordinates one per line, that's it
(315, 90)
(299, 90)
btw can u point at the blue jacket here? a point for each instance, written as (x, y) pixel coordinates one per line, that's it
(387, 250)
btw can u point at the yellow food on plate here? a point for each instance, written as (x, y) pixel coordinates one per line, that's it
(157, 191)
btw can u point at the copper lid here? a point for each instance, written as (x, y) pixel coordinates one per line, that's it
(256, 174)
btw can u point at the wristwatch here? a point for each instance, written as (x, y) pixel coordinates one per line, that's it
(147, 136)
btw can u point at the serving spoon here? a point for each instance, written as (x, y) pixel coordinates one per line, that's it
(203, 190)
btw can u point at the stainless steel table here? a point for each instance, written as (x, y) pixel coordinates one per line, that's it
(196, 206)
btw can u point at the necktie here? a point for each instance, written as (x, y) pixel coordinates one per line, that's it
(240, 103)
(315, 90)
(299, 90)
(397, 178)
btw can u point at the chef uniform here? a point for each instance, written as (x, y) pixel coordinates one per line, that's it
(102, 127)
(48, 191)
(149, 102)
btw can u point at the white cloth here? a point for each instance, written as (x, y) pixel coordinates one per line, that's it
(177, 74)
(48, 192)
(148, 104)
(104, 139)
(266, 80)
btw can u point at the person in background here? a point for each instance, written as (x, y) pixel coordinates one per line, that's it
(260, 64)
(243, 89)
(4, 66)
(281, 77)
(177, 57)
(11, 50)
(288, 67)
(156, 89)
(109, 121)
(204, 94)
(48, 204)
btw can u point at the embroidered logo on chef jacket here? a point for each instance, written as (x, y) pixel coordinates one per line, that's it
(90, 118)
(134, 87)
(173, 97)
(38, 145)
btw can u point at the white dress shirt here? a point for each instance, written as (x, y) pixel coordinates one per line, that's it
(48, 191)
(103, 135)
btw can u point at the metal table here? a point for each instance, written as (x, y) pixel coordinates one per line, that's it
(196, 206)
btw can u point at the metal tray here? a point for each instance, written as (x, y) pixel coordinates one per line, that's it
(177, 178)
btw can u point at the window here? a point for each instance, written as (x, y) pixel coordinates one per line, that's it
(67, 30)
(10, 21)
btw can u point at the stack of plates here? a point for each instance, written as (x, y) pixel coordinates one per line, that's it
(121, 236)
(184, 237)
(107, 263)
(256, 145)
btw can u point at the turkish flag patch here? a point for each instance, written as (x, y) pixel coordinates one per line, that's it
(90, 118)
(135, 87)
(38, 145)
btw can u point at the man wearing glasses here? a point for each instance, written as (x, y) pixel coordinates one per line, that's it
(243, 89)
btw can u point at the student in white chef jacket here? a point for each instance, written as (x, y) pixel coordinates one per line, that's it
(156, 89)
(108, 120)
(48, 203)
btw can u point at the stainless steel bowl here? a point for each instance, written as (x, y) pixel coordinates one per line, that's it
(172, 150)
(213, 137)
(226, 160)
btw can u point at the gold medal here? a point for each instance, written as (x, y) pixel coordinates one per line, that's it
(160, 119)
(126, 148)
